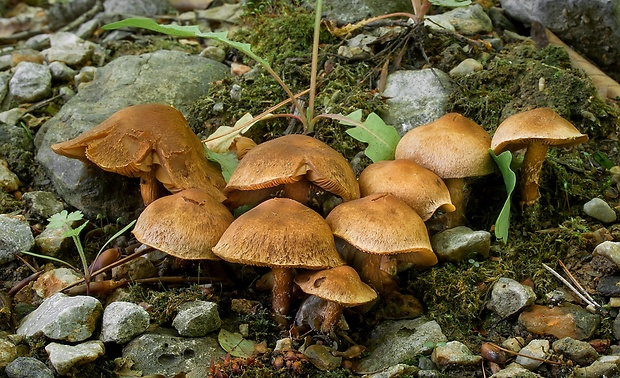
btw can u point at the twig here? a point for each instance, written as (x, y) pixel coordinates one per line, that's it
(570, 286)
(525, 355)
(574, 280)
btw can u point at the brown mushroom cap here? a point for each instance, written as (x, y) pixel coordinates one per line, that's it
(382, 224)
(286, 160)
(415, 185)
(452, 146)
(187, 224)
(540, 125)
(280, 232)
(148, 139)
(341, 284)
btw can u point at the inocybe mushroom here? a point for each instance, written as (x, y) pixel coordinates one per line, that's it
(537, 130)
(454, 148)
(282, 234)
(296, 164)
(152, 142)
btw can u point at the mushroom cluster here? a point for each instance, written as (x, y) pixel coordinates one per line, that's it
(378, 222)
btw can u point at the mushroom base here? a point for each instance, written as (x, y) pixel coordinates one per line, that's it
(530, 173)
(282, 288)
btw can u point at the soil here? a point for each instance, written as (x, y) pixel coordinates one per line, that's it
(453, 294)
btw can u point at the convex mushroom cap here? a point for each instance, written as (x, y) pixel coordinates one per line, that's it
(186, 224)
(282, 163)
(150, 141)
(537, 130)
(282, 234)
(386, 229)
(415, 185)
(340, 286)
(453, 147)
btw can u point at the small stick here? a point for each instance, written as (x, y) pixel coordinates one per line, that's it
(570, 286)
(574, 280)
(525, 355)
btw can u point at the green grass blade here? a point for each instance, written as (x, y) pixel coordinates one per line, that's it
(502, 224)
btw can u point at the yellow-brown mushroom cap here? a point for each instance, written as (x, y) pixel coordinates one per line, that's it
(341, 284)
(288, 159)
(415, 185)
(187, 224)
(280, 232)
(452, 146)
(146, 137)
(382, 224)
(540, 125)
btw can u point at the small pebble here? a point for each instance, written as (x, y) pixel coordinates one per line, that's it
(599, 209)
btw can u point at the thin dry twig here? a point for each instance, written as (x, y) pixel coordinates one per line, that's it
(589, 302)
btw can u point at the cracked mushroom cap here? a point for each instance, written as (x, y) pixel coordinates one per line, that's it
(415, 185)
(186, 224)
(540, 125)
(148, 139)
(453, 146)
(287, 160)
(341, 284)
(381, 223)
(280, 232)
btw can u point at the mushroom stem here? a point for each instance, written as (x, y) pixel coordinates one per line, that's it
(371, 271)
(299, 191)
(331, 315)
(282, 288)
(530, 173)
(150, 188)
(456, 187)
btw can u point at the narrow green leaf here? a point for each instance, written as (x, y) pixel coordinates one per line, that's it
(227, 161)
(502, 224)
(184, 31)
(51, 259)
(381, 138)
(235, 344)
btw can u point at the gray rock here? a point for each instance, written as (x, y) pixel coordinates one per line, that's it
(84, 77)
(354, 10)
(609, 250)
(136, 7)
(599, 209)
(65, 318)
(169, 355)
(515, 370)
(197, 318)
(616, 328)
(461, 242)
(416, 98)
(164, 76)
(12, 116)
(592, 27)
(15, 236)
(578, 351)
(9, 182)
(454, 353)
(4, 84)
(396, 371)
(122, 321)
(465, 20)
(52, 242)
(64, 357)
(28, 367)
(597, 370)
(394, 342)
(42, 205)
(68, 48)
(508, 297)
(609, 286)
(14, 137)
(31, 82)
(60, 71)
(536, 348)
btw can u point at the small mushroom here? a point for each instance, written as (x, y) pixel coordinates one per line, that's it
(282, 234)
(152, 142)
(186, 224)
(296, 164)
(454, 148)
(340, 286)
(537, 130)
(382, 226)
(415, 185)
